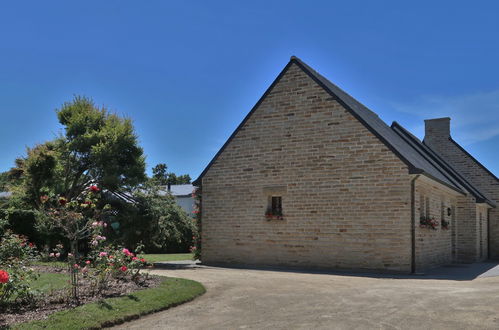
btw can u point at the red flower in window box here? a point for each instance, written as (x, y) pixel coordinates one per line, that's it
(428, 222)
(271, 216)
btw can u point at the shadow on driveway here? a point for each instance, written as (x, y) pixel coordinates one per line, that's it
(453, 272)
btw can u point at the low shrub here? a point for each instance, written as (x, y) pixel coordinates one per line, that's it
(16, 255)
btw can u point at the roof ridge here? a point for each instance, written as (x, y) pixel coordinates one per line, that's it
(444, 165)
(339, 89)
(396, 144)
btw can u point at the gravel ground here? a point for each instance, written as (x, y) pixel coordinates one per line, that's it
(451, 298)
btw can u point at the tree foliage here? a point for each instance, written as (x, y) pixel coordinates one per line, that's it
(4, 180)
(163, 177)
(156, 221)
(98, 147)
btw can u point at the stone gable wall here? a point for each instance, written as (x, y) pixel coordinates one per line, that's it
(345, 195)
(434, 246)
(438, 138)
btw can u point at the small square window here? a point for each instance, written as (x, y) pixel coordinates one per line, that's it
(274, 209)
(276, 205)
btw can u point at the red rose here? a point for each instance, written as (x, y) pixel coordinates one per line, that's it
(123, 268)
(4, 276)
(94, 188)
(143, 260)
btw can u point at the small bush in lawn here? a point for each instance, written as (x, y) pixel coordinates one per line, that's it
(108, 262)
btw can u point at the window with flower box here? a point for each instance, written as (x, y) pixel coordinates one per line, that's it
(274, 197)
(274, 208)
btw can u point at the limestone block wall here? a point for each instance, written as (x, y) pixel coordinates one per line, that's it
(438, 138)
(467, 233)
(434, 247)
(345, 196)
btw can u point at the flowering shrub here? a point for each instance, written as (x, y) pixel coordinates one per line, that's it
(79, 219)
(428, 222)
(16, 254)
(112, 262)
(196, 247)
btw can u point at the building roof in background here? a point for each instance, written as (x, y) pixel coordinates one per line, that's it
(179, 190)
(5, 194)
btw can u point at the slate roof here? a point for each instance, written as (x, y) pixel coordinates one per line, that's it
(179, 190)
(439, 163)
(419, 158)
(410, 156)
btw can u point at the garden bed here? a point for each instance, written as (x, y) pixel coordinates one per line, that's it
(108, 312)
(53, 286)
(120, 302)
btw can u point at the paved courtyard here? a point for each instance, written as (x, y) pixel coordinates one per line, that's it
(456, 297)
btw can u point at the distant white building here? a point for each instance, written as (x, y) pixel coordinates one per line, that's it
(5, 194)
(183, 196)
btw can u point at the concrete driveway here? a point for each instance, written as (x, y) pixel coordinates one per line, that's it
(449, 298)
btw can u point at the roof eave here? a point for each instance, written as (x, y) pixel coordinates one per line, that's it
(442, 182)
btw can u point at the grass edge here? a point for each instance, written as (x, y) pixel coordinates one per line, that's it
(123, 318)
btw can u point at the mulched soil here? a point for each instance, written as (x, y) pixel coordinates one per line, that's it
(54, 301)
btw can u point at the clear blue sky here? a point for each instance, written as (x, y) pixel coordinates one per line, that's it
(187, 72)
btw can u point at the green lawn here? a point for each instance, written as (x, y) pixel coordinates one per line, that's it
(166, 257)
(171, 292)
(50, 281)
(152, 258)
(60, 264)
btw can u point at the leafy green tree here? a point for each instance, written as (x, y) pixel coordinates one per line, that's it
(184, 179)
(97, 147)
(156, 221)
(159, 174)
(4, 180)
(162, 177)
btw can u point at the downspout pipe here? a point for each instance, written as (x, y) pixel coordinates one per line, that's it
(488, 234)
(413, 224)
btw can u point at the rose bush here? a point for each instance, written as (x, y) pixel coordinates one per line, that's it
(81, 220)
(108, 262)
(16, 255)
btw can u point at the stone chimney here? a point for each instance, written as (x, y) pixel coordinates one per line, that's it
(437, 129)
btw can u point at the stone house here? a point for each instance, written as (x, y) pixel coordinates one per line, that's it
(313, 178)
